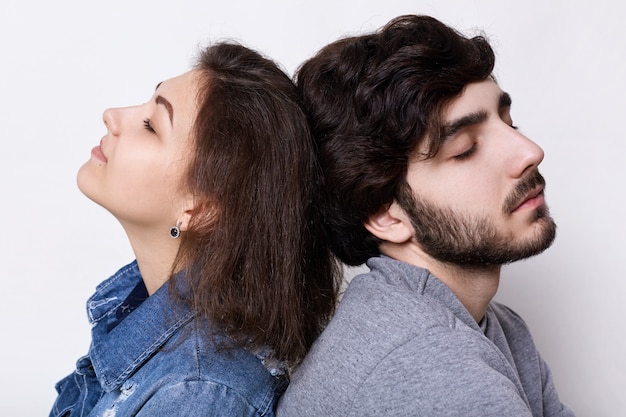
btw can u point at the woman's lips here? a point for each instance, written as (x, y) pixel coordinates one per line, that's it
(98, 154)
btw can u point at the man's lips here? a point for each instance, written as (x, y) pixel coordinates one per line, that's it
(528, 192)
(531, 200)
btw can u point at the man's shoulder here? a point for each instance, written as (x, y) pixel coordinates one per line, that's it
(393, 301)
(378, 325)
(393, 365)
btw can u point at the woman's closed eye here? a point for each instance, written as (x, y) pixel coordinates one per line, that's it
(148, 126)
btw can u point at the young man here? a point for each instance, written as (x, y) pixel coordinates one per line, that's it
(431, 184)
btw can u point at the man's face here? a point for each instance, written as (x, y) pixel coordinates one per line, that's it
(480, 200)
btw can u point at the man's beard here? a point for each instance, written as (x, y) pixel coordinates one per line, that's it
(460, 239)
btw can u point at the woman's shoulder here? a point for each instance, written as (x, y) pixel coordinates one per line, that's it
(200, 363)
(204, 398)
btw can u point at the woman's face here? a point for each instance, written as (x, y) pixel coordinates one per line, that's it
(136, 170)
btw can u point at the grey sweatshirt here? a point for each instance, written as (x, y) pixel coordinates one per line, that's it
(402, 344)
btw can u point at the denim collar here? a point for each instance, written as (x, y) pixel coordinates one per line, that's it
(115, 355)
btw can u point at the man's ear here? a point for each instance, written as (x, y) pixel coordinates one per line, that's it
(391, 225)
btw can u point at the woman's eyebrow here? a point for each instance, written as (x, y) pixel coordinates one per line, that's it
(168, 106)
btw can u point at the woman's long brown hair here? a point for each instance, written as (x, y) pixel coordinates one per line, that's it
(258, 265)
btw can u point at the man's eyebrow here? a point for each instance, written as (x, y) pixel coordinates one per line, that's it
(168, 106)
(505, 101)
(455, 126)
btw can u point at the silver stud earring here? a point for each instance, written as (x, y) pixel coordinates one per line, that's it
(175, 231)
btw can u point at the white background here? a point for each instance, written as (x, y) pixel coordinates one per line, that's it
(64, 62)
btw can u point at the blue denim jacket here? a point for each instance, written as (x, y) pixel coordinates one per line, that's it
(158, 362)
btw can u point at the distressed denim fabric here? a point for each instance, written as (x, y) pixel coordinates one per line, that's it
(158, 362)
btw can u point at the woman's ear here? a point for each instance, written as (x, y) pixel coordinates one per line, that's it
(188, 208)
(391, 225)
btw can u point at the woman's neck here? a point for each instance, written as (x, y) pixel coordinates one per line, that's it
(155, 254)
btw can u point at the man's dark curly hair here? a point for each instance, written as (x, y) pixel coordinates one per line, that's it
(371, 100)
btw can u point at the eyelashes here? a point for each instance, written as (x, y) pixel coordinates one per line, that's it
(469, 152)
(466, 154)
(148, 126)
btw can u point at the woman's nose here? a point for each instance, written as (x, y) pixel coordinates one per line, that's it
(111, 119)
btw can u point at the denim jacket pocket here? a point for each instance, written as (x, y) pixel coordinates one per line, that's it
(69, 392)
(78, 392)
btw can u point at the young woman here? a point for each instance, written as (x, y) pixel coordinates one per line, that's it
(214, 182)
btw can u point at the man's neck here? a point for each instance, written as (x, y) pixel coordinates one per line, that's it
(475, 287)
